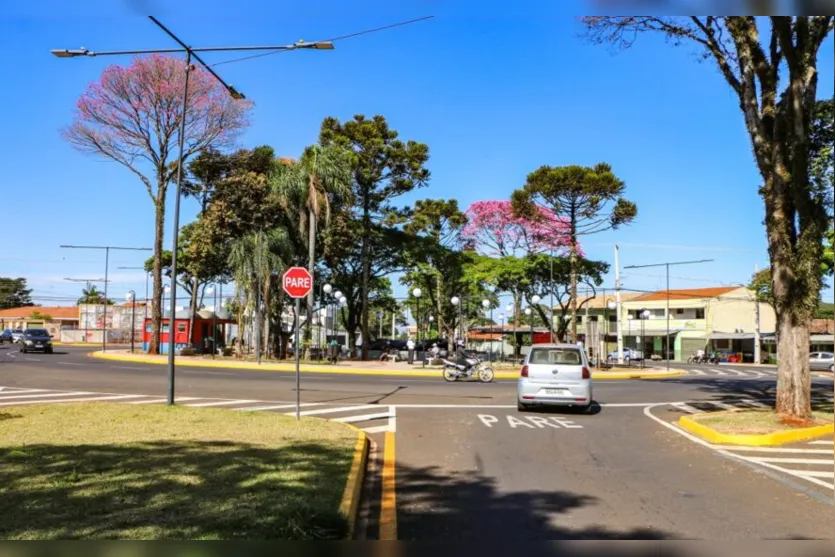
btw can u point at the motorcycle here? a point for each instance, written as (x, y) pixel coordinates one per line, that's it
(475, 367)
(697, 359)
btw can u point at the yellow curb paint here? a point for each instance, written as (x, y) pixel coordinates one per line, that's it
(388, 502)
(505, 375)
(710, 435)
(349, 507)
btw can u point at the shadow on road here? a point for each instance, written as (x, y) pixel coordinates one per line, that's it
(435, 505)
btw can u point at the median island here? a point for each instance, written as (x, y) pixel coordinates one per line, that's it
(122, 471)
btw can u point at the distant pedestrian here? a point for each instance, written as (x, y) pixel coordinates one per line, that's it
(333, 351)
(410, 346)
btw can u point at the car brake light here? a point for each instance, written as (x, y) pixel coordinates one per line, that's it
(524, 371)
(586, 373)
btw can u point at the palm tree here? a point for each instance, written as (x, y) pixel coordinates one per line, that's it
(322, 176)
(92, 295)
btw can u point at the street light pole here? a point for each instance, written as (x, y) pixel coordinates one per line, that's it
(131, 298)
(106, 269)
(667, 265)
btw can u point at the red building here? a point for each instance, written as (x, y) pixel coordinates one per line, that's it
(203, 335)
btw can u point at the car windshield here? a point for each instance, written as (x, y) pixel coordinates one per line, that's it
(554, 356)
(37, 332)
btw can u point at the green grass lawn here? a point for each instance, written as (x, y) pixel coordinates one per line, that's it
(109, 471)
(756, 422)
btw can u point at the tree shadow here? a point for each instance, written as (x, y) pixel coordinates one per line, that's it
(468, 506)
(762, 391)
(173, 490)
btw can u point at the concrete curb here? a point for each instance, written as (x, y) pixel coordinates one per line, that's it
(689, 423)
(308, 368)
(349, 507)
(388, 500)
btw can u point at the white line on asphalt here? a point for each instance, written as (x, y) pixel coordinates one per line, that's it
(740, 373)
(465, 406)
(697, 371)
(686, 408)
(276, 407)
(11, 355)
(201, 372)
(158, 400)
(338, 409)
(817, 474)
(362, 418)
(70, 364)
(66, 400)
(820, 461)
(830, 442)
(754, 403)
(220, 403)
(18, 391)
(740, 448)
(31, 359)
(393, 419)
(723, 405)
(42, 395)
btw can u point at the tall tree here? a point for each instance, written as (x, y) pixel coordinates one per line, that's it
(771, 66)
(132, 116)
(591, 201)
(384, 168)
(322, 176)
(14, 294)
(92, 295)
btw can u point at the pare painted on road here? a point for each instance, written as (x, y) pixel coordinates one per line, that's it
(527, 422)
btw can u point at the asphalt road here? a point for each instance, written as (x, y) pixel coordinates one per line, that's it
(470, 467)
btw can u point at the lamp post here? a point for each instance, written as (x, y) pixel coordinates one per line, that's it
(130, 297)
(486, 304)
(645, 314)
(212, 291)
(511, 314)
(147, 277)
(535, 299)
(529, 313)
(326, 289)
(417, 293)
(456, 302)
(343, 301)
(501, 343)
(612, 305)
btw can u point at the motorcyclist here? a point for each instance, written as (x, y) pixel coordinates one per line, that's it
(461, 357)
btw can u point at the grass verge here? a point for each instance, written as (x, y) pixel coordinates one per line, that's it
(109, 471)
(757, 422)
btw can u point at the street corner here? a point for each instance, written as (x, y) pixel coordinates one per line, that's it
(732, 428)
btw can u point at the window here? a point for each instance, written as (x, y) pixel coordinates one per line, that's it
(700, 313)
(164, 328)
(553, 356)
(679, 311)
(722, 344)
(181, 327)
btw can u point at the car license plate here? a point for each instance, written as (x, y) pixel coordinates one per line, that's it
(555, 391)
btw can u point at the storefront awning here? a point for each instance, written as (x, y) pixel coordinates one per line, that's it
(730, 336)
(822, 339)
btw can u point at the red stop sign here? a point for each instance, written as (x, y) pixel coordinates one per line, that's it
(297, 282)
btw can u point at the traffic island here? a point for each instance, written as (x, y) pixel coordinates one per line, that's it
(119, 471)
(756, 428)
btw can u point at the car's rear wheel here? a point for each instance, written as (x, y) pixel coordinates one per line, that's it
(521, 407)
(832, 368)
(22, 349)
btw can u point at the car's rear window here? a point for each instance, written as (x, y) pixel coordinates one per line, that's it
(556, 356)
(37, 332)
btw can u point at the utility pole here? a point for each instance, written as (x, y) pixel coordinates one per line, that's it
(666, 265)
(617, 303)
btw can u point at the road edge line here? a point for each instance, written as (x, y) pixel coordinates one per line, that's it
(349, 506)
(388, 500)
(774, 439)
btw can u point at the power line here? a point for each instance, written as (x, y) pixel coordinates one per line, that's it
(334, 39)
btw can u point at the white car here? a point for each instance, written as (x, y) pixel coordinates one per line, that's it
(555, 375)
(822, 361)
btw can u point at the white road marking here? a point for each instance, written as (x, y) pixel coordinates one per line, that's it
(772, 449)
(830, 442)
(686, 408)
(158, 400)
(70, 364)
(754, 403)
(340, 409)
(362, 418)
(127, 367)
(377, 429)
(44, 395)
(723, 405)
(393, 419)
(821, 461)
(66, 400)
(31, 359)
(697, 372)
(816, 474)
(277, 407)
(220, 403)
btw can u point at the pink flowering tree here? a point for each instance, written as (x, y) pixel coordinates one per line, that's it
(492, 229)
(132, 116)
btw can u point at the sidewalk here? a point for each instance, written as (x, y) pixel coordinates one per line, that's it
(348, 367)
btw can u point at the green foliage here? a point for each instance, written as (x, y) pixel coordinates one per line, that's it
(14, 294)
(761, 285)
(828, 255)
(38, 316)
(92, 295)
(826, 310)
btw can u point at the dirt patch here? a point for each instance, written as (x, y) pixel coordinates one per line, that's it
(758, 422)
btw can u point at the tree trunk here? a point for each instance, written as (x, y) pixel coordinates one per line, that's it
(311, 265)
(265, 303)
(793, 378)
(573, 266)
(366, 278)
(195, 288)
(159, 236)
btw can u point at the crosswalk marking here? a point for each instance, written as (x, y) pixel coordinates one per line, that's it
(362, 418)
(86, 399)
(687, 408)
(219, 403)
(42, 395)
(723, 405)
(339, 409)
(793, 460)
(378, 429)
(830, 442)
(276, 407)
(817, 474)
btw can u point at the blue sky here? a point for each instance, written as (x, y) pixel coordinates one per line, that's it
(495, 90)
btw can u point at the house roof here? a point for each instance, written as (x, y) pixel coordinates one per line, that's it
(56, 312)
(686, 294)
(823, 326)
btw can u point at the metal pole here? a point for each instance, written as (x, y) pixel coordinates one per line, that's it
(492, 327)
(147, 276)
(552, 325)
(132, 324)
(298, 373)
(618, 306)
(176, 237)
(214, 325)
(104, 315)
(257, 316)
(667, 355)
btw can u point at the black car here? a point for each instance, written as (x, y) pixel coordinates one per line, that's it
(36, 340)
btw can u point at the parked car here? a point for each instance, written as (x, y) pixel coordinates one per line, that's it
(16, 334)
(35, 340)
(555, 375)
(628, 354)
(822, 361)
(6, 336)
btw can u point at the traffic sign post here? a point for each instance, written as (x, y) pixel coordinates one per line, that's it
(297, 283)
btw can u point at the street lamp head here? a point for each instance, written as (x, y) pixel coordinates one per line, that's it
(612, 305)
(337, 295)
(319, 45)
(130, 295)
(343, 300)
(431, 318)
(235, 94)
(485, 304)
(417, 292)
(535, 299)
(167, 289)
(528, 311)
(509, 308)
(501, 316)
(455, 300)
(646, 314)
(65, 53)
(327, 288)
(210, 290)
